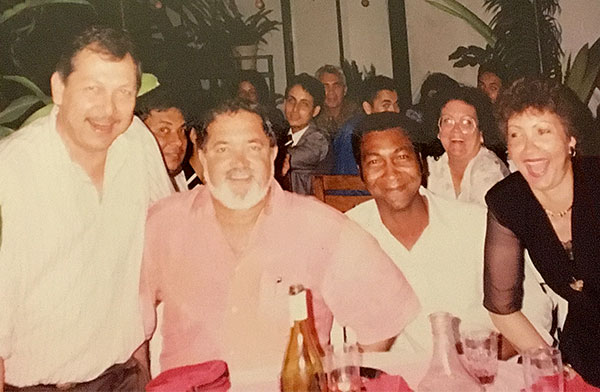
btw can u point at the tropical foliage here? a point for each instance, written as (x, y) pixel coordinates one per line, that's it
(524, 37)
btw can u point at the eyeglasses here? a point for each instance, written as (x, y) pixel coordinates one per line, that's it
(466, 124)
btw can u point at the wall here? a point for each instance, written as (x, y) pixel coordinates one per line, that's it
(432, 35)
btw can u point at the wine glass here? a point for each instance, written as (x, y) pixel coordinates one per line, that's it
(480, 348)
(342, 366)
(543, 370)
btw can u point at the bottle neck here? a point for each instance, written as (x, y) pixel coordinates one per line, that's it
(298, 310)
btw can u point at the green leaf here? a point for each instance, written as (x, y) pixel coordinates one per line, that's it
(149, 82)
(17, 108)
(458, 10)
(31, 86)
(25, 5)
(41, 112)
(5, 131)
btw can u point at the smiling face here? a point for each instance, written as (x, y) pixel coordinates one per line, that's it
(334, 90)
(168, 127)
(540, 147)
(95, 101)
(299, 108)
(459, 142)
(390, 168)
(237, 159)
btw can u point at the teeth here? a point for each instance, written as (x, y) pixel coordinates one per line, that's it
(537, 168)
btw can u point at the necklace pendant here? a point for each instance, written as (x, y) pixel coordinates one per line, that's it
(576, 284)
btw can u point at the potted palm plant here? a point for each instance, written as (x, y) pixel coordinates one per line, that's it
(241, 33)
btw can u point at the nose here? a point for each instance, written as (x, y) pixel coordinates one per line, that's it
(175, 138)
(239, 159)
(108, 104)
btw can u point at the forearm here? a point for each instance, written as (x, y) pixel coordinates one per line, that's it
(517, 329)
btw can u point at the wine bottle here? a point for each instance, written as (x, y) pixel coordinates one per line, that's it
(302, 369)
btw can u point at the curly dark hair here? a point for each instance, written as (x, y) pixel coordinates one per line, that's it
(483, 108)
(543, 95)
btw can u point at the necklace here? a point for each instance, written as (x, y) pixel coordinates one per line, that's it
(559, 214)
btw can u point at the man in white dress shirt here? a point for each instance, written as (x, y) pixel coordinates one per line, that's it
(437, 243)
(75, 190)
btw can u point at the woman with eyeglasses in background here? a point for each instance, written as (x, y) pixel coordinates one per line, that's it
(467, 169)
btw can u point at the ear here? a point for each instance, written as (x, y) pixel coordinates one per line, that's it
(194, 137)
(572, 142)
(367, 107)
(57, 86)
(316, 111)
(274, 151)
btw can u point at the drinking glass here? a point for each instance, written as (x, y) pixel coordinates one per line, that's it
(543, 370)
(480, 349)
(342, 366)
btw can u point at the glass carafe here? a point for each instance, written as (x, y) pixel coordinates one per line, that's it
(446, 372)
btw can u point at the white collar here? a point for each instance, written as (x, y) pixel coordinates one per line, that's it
(296, 136)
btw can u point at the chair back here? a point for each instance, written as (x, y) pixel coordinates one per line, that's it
(342, 192)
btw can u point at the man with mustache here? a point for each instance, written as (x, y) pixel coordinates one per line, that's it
(221, 258)
(76, 186)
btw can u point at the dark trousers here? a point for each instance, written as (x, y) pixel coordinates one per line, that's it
(123, 377)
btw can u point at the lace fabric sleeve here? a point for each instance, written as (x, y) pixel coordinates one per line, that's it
(503, 272)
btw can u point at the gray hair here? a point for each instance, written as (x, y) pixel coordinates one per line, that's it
(332, 69)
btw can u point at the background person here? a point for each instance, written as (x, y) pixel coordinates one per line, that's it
(308, 151)
(467, 169)
(379, 95)
(337, 108)
(551, 208)
(162, 111)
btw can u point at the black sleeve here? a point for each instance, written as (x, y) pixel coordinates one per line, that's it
(503, 272)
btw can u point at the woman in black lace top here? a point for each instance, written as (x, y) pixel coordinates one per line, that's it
(551, 207)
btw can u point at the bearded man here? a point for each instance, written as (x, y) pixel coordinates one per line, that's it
(221, 257)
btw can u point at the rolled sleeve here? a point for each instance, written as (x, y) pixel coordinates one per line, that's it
(365, 290)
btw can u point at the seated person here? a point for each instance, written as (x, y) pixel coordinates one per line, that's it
(489, 79)
(223, 270)
(379, 95)
(550, 207)
(437, 243)
(251, 86)
(337, 108)
(162, 112)
(467, 169)
(308, 152)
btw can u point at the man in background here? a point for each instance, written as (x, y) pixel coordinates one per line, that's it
(337, 109)
(76, 186)
(308, 151)
(379, 95)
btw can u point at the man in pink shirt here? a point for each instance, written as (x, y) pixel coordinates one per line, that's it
(221, 258)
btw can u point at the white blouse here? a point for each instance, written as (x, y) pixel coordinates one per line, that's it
(482, 173)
